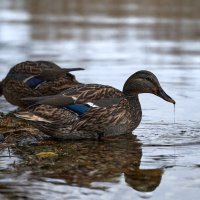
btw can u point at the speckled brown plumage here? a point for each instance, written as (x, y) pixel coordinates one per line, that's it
(50, 80)
(99, 110)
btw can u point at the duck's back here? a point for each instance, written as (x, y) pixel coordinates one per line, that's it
(29, 68)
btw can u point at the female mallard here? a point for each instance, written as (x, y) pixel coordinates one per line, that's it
(93, 111)
(29, 79)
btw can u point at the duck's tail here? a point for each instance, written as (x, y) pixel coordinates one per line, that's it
(1, 88)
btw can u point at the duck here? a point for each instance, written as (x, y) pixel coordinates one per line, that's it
(35, 78)
(93, 111)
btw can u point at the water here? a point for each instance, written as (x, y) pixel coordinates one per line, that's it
(174, 113)
(111, 40)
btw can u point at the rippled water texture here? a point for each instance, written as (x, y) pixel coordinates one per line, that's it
(111, 40)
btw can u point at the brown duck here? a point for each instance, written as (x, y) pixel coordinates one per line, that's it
(92, 110)
(32, 79)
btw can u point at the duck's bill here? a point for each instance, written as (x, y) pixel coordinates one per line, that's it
(166, 97)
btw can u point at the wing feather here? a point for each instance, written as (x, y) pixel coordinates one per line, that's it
(99, 95)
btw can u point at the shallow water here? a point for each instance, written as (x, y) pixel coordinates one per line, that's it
(111, 40)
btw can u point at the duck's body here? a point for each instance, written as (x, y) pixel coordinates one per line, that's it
(86, 111)
(92, 110)
(39, 78)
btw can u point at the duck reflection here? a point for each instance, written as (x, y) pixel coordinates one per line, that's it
(144, 180)
(84, 163)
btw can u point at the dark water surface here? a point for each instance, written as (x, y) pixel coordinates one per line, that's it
(111, 40)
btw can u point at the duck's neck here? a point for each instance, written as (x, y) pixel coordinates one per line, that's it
(135, 109)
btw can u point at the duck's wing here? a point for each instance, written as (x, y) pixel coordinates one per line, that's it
(101, 117)
(94, 95)
(50, 65)
(95, 118)
(49, 114)
(43, 70)
(50, 71)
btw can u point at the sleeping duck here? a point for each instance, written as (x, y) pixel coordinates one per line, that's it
(34, 79)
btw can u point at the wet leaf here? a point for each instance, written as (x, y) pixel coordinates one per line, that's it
(48, 154)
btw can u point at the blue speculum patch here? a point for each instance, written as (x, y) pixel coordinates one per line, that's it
(78, 108)
(34, 82)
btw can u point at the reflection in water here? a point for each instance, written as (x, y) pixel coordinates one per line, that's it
(86, 163)
(144, 180)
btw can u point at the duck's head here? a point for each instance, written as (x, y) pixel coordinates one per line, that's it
(145, 82)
